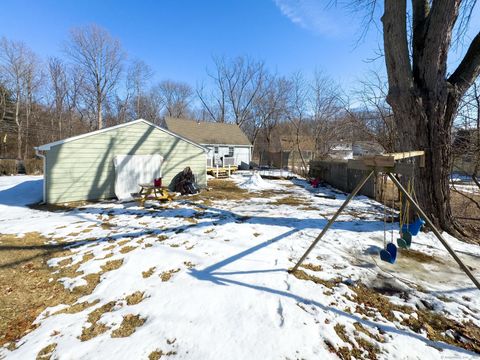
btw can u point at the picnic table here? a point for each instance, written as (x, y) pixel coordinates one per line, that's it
(159, 193)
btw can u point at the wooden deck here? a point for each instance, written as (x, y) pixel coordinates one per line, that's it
(221, 172)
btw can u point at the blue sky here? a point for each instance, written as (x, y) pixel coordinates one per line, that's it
(177, 38)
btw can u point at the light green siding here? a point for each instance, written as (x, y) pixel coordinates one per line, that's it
(82, 169)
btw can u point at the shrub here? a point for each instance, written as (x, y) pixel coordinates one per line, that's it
(33, 166)
(8, 167)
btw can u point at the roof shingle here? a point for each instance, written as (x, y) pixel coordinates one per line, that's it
(207, 132)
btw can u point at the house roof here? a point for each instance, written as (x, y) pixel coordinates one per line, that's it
(73, 138)
(210, 133)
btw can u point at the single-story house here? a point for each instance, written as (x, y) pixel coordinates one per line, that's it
(82, 167)
(227, 144)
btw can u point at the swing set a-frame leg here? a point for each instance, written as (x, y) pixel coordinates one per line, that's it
(332, 220)
(437, 233)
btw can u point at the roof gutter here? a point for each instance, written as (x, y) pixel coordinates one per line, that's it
(44, 187)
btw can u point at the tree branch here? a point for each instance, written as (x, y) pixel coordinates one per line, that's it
(396, 48)
(468, 69)
(420, 9)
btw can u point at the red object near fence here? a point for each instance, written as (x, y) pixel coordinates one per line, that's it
(157, 182)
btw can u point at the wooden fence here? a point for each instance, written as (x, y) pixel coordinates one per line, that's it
(337, 174)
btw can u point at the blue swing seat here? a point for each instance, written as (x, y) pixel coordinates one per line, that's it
(389, 254)
(414, 227)
(405, 241)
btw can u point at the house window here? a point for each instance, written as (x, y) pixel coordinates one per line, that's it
(215, 149)
(230, 151)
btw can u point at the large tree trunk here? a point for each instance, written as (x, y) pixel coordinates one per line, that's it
(99, 114)
(423, 99)
(431, 133)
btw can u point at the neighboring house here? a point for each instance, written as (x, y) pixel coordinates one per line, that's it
(227, 144)
(82, 168)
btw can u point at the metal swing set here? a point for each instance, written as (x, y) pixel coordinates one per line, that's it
(391, 164)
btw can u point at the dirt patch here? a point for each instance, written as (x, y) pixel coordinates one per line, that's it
(167, 275)
(135, 298)
(148, 273)
(96, 328)
(128, 326)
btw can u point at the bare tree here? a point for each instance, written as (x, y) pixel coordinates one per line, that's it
(16, 65)
(32, 81)
(268, 110)
(101, 58)
(298, 112)
(175, 97)
(59, 88)
(327, 127)
(237, 84)
(375, 117)
(138, 76)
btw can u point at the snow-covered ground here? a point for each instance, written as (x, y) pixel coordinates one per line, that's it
(227, 293)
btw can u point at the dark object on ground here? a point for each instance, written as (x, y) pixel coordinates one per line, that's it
(333, 197)
(184, 182)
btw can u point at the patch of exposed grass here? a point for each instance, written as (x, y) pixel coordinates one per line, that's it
(135, 298)
(308, 208)
(112, 265)
(123, 242)
(221, 190)
(106, 225)
(190, 220)
(92, 281)
(360, 348)
(109, 247)
(149, 272)
(26, 285)
(420, 256)
(96, 328)
(435, 324)
(312, 267)
(162, 237)
(76, 308)
(167, 275)
(109, 255)
(65, 262)
(128, 326)
(127, 249)
(47, 352)
(302, 275)
(189, 264)
(157, 354)
(289, 200)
